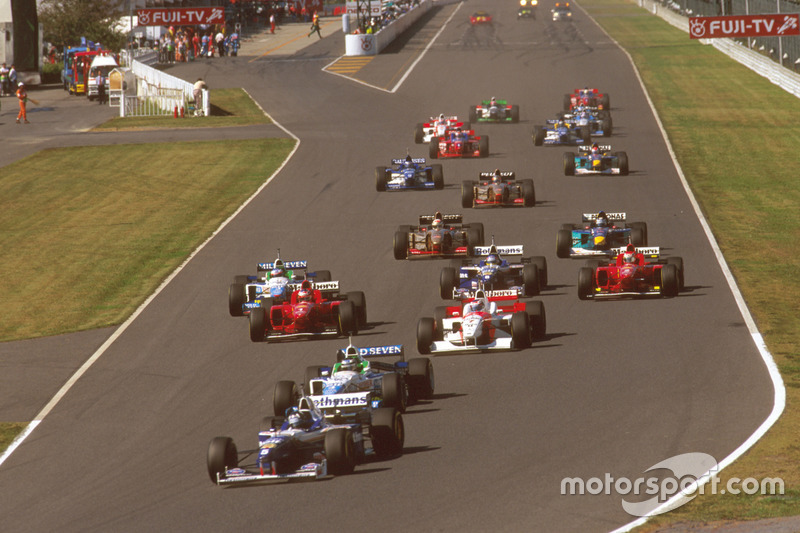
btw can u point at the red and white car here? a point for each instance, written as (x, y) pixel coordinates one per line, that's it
(459, 143)
(438, 127)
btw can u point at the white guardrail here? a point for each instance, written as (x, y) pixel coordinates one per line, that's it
(764, 66)
(371, 44)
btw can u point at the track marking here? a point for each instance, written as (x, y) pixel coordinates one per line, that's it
(349, 65)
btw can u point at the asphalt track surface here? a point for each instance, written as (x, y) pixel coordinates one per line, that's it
(615, 388)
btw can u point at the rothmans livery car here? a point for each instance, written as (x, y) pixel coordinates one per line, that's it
(599, 234)
(303, 443)
(459, 143)
(437, 127)
(598, 122)
(558, 131)
(356, 384)
(273, 282)
(409, 173)
(595, 159)
(631, 275)
(498, 189)
(494, 110)
(481, 324)
(437, 236)
(526, 277)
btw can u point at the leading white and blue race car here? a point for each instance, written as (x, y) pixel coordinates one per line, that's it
(409, 173)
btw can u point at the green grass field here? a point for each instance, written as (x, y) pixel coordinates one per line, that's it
(735, 135)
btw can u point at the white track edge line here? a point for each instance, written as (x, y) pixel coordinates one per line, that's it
(121, 329)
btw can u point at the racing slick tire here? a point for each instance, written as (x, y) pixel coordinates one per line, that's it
(258, 324)
(438, 177)
(592, 263)
(433, 148)
(514, 113)
(637, 237)
(419, 133)
(585, 275)
(520, 330)
(284, 397)
(473, 239)
(483, 146)
(387, 432)
(425, 332)
(360, 302)
(473, 114)
(605, 101)
(569, 163)
(478, 226)
(311, 372)
(678, 262)
(643, 227)
(585, 134)
(420, 379)
(405, 228)
(448, 280)
(530, 280)
(380, 179)
(394, 392)
(528, 193)
(340, 451)
(568, 227)
(244, 279)
(622, 157)
(538, 135)
(537, 318)
(607, 127)
(567, 102)
(222, 454)
(439, 314)
(541, 263)
(563, 243)
(348, 318)
(400, 245)
(322, 276)
(467, 194)
(236, 299)
(669, 280)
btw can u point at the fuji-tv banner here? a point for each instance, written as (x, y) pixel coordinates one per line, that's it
(181, 16)
(775, 25)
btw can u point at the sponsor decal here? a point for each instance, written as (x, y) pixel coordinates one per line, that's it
(417, 160)
(396, 349)
(489, 294)
(321, 286)
(502, 250)
(771, 25)
(648, 250)
(588, 217)
(310, 467)
(181, 16)
(341, 400)
(286, 264)
(237, 471)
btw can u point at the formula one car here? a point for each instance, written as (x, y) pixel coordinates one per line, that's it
(355, 383)
(459, 143)
(313, 310)
(526, 278)
(482, 323)
(587, 97)
(437, 236)
(498, 189)
(560, 132)
(598, 235)
(631, 275)
(494, 111)
(274, 280)
(437, 127)
(598, 122)
(409, 174)
(304, 444)
(561, 11)
(596, 159)
(527, 9)
(480, 17)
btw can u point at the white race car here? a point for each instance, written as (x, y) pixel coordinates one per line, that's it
(438, 127)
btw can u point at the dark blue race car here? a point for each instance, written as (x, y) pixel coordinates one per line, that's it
(409, 173)
(560, 132)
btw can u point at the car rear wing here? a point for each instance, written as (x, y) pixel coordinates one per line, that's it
(323, 286)
(289, 265)
(590, 217)
(417, 160)
(507, 176)
(498, 102)
(648, 251)
(428, 219)
(588, 148)
(502, 294)
(502, 250)
(347, 401)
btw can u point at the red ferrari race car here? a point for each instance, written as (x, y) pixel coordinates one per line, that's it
(630, 275)
(314, 310)
(587, 98)
(459, 143)
(480, 17)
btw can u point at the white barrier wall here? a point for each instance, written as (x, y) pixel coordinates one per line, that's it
(370, 44)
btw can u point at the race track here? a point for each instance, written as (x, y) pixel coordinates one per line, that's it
(615, 388)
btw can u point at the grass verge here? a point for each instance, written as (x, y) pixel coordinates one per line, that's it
(734, 134)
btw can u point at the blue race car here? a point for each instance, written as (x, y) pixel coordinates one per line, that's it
(595, 159)
(274, 280)
(599, 234)
(558, 132)
(409, 173)
(598, 122)
(495, 275)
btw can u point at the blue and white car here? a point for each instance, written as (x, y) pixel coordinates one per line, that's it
(409, 173)
(560, 132)
(599, 235)
(494, 273)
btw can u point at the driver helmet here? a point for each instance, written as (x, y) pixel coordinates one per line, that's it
(496, 177)
(298, 418)
(493, 101)
(441, 117)
(595, 149)
(277, 273)
(349, 364)
(601, 222)
(475, 306)
(629, 256)
(436, 224)
(492, 259)
(408, 162)
(304, 295)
